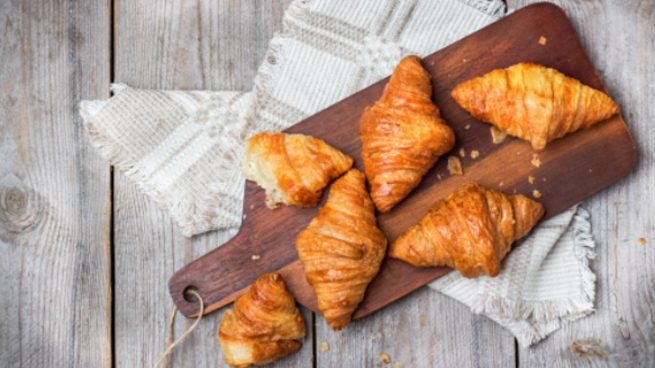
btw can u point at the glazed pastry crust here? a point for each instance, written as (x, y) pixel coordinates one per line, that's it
(402, 135)
(533, 102)
(264, 326)
(342, 249)
(471, 230)
(292, 168)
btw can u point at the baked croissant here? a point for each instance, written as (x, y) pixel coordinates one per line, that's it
(471, 230)
(342, 249)
(264, 326)
(402, 135)
(292, 168)
(534, 103)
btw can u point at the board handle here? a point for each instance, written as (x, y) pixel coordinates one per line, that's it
(225, 273)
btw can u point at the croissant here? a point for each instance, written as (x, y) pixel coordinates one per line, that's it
(471, 230)
(264, 326)
(292, 168)
(342, 249)
(402, 135)
(534, 103)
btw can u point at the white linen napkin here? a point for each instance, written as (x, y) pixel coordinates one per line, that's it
(183, 148)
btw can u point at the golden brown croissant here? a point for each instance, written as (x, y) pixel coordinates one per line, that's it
(534, 103)
(292, 168)
(264, 326)
(342, 249)
(402, 135)
(471, 230)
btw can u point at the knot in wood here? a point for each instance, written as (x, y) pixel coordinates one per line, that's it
(20, 207)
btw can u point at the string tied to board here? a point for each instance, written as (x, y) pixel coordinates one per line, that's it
(164, 360)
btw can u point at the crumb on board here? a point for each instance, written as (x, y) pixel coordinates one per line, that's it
(501, 184)
(467, 127)
(536, 193)
(462, 152)
(590, 170)
(543, 40)
(397, 365)
(384, 358)
(324, 346)
(518, 153)
(513, 191)
(255, 257)
(455, 166)
(252, 206)
(544, 179)
(244, 216)
(376, 335)
(422, 319)
(536, 162)
(586, 348)
(438, 176)
(475, 154)
(642, 240)
(530, 179)
(497, 136)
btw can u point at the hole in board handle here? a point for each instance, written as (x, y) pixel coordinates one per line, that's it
(188, 294)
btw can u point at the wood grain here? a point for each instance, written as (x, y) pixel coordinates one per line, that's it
(620, 38)
(177, 45)
(575, 167)
(55, 268)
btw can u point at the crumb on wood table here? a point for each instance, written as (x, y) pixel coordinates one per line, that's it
(462, 152)
(501, 184)
(642, 240)
(397, 365)
(438, 176)
(497, 135)
(586, 348)
(543, 40)
(455, 166)
(467, 127)
(530, 179)
(255, 257)
(536, 193)
(536, 162)
(475, 154)
(324, 346)
(384, 358)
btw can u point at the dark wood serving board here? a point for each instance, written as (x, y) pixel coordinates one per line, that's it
(572, 169)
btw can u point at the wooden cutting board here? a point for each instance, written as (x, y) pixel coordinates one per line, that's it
(571, 169)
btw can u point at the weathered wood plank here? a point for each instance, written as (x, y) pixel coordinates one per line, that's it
(177, 45)
(425, 329)
(54, 189)
(620, 38)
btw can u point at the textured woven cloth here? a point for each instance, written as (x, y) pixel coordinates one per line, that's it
(183, 148)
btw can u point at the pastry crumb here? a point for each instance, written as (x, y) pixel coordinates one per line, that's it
(422, 319)
(501, 184)
(544, 179)
(531, 179)
(252, 206)
(514, 191)
(536, 193)
(462, 152)
(543, 40)
(518, 153)
(455, 166)
(497, 136)
(467, 127)
(397, 365)
(244, 216)
(475, 154)
(642, 241)
(536, 162)
(376, 335)
(384, 358)
(585, 348)
(324, 346)
(255, 257)
(590, 170)
(438, 176)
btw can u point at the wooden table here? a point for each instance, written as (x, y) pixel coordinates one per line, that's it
(85, 257)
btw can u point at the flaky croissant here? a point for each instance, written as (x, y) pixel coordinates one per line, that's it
(533, 102)
(292, 168)
(264, 326)
(471, 230)
(402, 135)
(342, 249)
